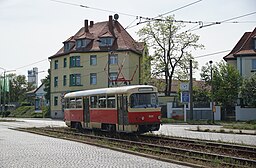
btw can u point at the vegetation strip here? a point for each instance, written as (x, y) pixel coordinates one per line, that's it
(238, 150)
(7, 120)
(162, 152)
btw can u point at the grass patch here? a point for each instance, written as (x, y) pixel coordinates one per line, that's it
(4, 120)
(23, 111)
(249, 125)
(171, 121)
(202, 122)
(29, 112)
(240, 125)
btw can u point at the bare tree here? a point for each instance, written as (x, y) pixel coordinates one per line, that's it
(171, 49)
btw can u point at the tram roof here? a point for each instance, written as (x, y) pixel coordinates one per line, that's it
(112, 90)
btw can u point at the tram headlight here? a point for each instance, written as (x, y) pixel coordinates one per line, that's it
(159, 117)
(142, 118)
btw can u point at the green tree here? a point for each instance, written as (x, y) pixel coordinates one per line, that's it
(171, 47)
(19, 87)
(226, 82)
(47, 84)
(145, 66)
(201, 95)
(248, 91)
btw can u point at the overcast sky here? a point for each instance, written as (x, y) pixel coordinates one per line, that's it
(33, 30)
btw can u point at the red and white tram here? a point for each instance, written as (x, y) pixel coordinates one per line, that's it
(123, 109)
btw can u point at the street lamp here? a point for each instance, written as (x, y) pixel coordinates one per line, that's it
(212, 92)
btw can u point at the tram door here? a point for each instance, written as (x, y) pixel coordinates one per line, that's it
(122, 111)
(86, 111)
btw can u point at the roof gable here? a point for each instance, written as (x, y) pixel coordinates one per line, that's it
(244, 46)
(93, 32)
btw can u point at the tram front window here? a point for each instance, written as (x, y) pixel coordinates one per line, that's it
(144, 100)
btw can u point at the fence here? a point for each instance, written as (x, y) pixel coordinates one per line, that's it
(198, 113)
(244, 114)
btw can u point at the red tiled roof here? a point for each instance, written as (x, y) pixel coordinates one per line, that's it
(123, 40)
(243, 47)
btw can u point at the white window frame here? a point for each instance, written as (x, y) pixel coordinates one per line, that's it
(75, 79)
(75, 61)
(113, 59)
(93, 59)
(93, 79)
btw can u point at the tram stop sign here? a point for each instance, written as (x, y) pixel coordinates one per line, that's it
(185, 97)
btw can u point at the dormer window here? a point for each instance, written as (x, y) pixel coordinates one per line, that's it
(81, 43)
(106, 41)
(254, 43)
(66, 47)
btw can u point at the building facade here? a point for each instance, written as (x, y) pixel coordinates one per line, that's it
(243, 55)
(99, 55)
(33, 77)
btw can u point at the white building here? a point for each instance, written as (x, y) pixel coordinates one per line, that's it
(33, 76)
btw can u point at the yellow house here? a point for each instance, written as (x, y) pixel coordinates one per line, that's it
(99, 55)
(243, 55)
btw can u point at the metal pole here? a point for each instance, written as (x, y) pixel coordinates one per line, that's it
(191, 91)
(108, 66)
(185, 112)
(3, 113)
(1, 95)
(212, 92)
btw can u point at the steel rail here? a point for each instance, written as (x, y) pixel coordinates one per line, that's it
(239, 149)
(165, 151)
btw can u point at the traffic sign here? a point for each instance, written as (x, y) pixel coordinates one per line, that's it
(184, 86)
(185, 97)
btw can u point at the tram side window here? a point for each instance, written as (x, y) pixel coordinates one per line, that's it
(72, 103)
(94, 101)
(79, 103)
(102, 101)
(111, 101)
(67, 103)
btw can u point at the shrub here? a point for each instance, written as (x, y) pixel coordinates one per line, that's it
(6, 113)
(25, 104)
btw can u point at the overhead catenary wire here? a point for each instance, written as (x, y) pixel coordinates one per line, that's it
(131, 15)
(88, 7)
(237, 17)
(207, 55)
(224, 21)
(148, 19)
(31, 64)
(174, 10)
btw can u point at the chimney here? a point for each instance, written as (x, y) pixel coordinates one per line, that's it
(86, 26)
(110, 23)
(91, 23)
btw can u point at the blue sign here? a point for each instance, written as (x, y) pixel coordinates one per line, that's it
(185, 97)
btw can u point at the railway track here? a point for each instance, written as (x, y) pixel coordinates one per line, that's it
(195, 153)
(247, 152)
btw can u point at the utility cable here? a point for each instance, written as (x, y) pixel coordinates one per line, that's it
(215, 23)
(178, 8)
(206, 55)
(88, 7)
(32, 64)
